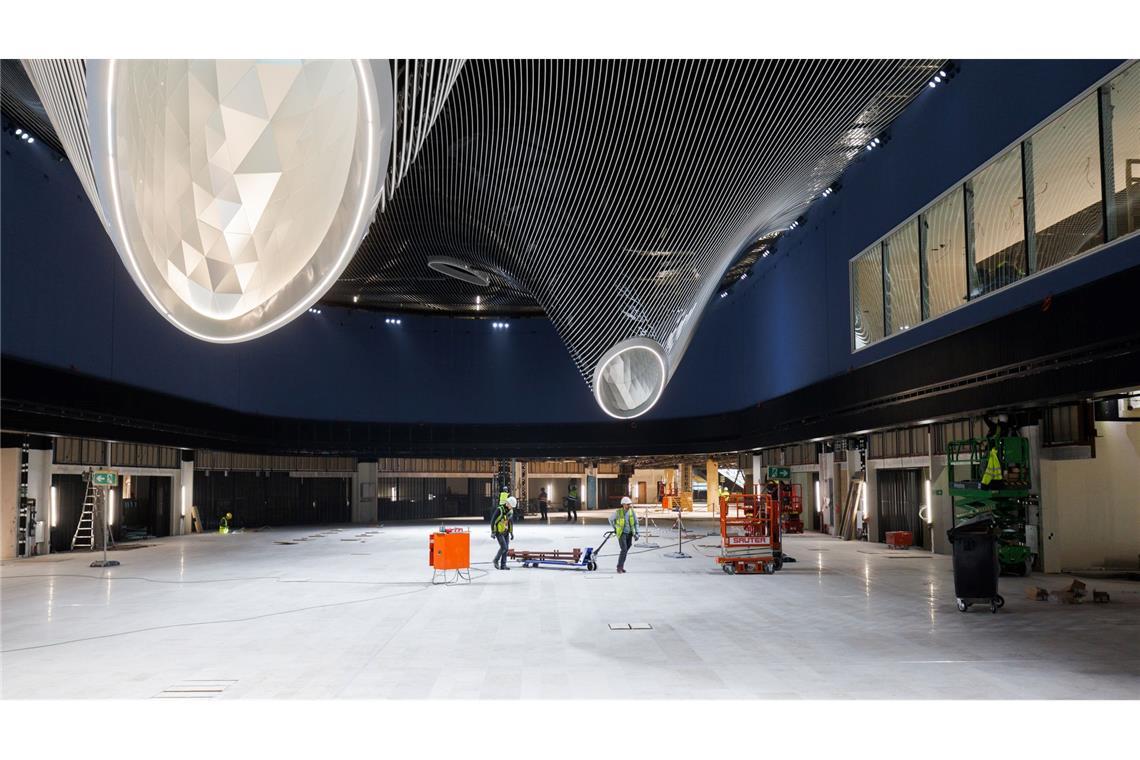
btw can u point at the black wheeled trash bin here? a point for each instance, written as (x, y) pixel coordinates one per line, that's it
(976, 566)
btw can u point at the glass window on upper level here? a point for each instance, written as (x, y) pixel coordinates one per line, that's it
(1067, 212)
(1123, 95)
(994, 194)
(903, 285)
(1039, 204)
(867, 301)
(944, 228)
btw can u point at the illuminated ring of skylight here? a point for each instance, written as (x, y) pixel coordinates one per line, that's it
(630, 377)
(459, 270)
(236, 192)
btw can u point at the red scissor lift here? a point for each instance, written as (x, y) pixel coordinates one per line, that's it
(750, 538)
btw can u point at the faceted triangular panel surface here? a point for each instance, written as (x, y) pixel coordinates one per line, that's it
(220, 155)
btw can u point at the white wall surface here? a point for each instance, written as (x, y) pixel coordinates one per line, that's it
(1091, 507)
(39, 488)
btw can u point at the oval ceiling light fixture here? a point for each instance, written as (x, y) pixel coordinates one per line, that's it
(236, 192)
(630, 377)
(459, 270)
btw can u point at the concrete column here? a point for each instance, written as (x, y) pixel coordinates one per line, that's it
(685, 487)
(826, 475)
(183, 496)
(942, 504)
(39, 488)
(1033, 517)
(757, 469)
(9, 501)
(365, 509)
(871, 520)
(712, 480)
(855, 467)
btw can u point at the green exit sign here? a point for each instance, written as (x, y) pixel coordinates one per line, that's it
(779, 473)
(104, 478)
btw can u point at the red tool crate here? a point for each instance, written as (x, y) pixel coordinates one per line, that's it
(900, 539)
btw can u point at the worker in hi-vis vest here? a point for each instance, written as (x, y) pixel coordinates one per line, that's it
(572, 502)
(992, 477)
(224, 525)
(503, 530)
(624, 523)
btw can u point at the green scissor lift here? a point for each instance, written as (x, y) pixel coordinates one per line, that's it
(1006, 501)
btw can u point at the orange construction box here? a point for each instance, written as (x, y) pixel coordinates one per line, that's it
(450, 551)
(899, 539)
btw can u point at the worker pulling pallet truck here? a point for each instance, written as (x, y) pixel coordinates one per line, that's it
(750, 540)
(575, 558)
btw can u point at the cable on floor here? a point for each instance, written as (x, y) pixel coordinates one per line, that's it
(425, 586)
(205, 580)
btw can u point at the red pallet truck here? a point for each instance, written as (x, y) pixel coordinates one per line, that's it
(575, 558)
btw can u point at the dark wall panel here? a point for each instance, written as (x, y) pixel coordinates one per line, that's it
(257, 500)
(900, 496)
(70, 490)
(430, 499)
(149, 506)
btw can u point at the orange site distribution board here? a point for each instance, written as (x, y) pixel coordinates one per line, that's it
(450, 551)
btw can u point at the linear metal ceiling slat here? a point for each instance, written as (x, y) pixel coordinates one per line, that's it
(565, 176)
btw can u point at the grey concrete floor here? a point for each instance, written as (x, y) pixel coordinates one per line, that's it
(349, 611)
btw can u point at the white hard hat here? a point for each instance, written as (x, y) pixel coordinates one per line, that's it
(512, 502)
(626, 500)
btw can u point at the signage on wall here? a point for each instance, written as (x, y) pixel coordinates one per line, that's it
(104, 478)
(779, 473)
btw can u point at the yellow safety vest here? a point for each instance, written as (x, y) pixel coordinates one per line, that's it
(993, 468)
(623, 521)
(503, 520)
